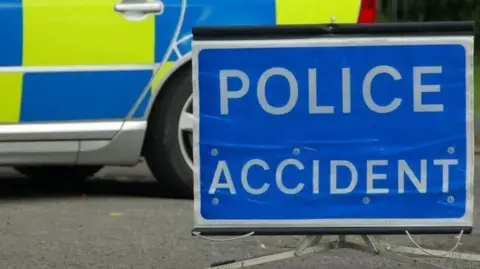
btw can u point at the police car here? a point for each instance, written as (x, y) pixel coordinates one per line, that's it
(89, 83)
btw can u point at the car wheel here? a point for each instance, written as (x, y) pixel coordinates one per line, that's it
(59, 172)
(169, 138)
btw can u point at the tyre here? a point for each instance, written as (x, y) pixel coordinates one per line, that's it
(59, 172)
(169, 137)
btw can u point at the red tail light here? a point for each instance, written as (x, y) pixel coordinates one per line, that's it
(368, 11)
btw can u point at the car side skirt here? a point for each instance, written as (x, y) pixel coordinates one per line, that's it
(75, 143)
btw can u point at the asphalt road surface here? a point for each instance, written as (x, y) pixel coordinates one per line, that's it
(124, 219)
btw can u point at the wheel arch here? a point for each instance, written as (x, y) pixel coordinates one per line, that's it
(181, 64)
(184, 62)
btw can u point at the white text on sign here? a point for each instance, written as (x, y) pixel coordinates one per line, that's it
(223, 178)
(418, 90)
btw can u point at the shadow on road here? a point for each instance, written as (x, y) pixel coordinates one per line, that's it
(17, 187)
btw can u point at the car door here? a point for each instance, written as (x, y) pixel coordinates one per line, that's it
(69, 71)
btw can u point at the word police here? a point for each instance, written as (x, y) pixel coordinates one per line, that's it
(223, 178)
(419, 90)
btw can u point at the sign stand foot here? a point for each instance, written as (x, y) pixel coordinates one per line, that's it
(376, 245)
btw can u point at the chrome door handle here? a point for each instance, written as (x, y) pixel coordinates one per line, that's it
(151, 7)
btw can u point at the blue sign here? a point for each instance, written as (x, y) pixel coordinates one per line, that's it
(326, 133)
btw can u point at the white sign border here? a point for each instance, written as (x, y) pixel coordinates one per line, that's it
(466, 41)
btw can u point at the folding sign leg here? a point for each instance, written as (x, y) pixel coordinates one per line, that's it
(428, 252)
(311, 244)
(381, 250)
(435, 253)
